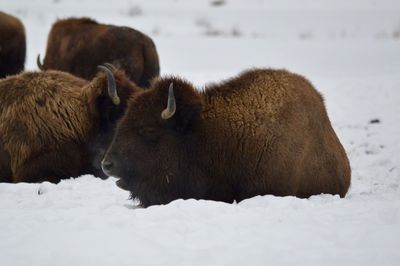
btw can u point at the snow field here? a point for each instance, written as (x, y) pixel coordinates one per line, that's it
(348, 49)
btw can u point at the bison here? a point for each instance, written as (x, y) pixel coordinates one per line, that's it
(262, 132)
(54, 125)
(12, 45)
(78, 45)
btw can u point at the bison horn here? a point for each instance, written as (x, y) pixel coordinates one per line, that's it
(112, 85)
(168, 112)
(39, 63)
(110, 66)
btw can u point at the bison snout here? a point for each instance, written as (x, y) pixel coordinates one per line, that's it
(107, 166)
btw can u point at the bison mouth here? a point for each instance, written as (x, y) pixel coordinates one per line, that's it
(122, 184)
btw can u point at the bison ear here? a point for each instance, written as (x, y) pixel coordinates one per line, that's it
(183, 109)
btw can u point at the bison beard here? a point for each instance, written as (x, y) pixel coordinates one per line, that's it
(263, 132)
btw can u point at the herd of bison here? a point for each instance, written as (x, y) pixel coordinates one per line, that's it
(98, 106)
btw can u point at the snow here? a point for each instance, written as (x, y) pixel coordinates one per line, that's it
(350, 52)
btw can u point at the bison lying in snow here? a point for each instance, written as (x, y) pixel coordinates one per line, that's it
(54, 125)
(12, 45)
(78, 45)
(263, 132)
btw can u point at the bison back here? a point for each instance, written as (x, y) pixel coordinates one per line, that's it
(79, 47)
(42, 115)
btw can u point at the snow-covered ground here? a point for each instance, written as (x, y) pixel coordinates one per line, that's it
(350, 50)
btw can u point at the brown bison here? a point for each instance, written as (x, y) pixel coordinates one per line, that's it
(263, 132)
(12, 45)
(78, 45)
(54, 125)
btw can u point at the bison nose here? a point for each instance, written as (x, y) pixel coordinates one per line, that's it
(107, 165)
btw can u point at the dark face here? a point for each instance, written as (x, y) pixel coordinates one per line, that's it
(109, 114)
(148, 153)
(144, 150)
(97, 149)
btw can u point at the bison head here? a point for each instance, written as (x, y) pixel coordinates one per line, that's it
(108, 96)
(151, 149)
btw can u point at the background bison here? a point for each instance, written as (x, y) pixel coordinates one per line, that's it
(12, 45)
(78, 45)
(263, 132)
(54, 125)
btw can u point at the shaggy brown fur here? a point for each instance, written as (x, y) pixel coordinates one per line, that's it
(12, 45)
(54, 125)
(78, 45)
(263, 132)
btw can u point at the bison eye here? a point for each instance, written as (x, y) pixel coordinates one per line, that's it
(149, 134)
